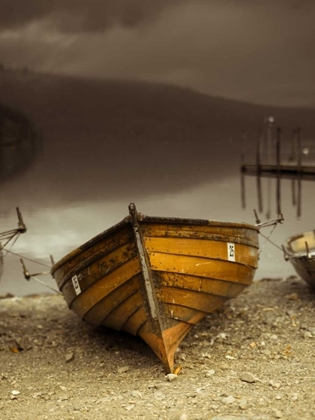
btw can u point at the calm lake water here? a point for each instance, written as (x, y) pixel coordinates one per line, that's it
(80, 182)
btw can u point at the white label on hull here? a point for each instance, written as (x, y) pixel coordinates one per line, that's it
(231, 251)
(76, 285)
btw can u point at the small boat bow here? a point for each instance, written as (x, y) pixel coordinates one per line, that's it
(300, 251)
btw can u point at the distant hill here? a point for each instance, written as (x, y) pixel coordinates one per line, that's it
(100, 136)
(136, 106)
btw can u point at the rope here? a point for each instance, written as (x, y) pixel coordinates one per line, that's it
(9, 233)
(25, 258)
(274, 223)
(44, 284)
(9, 238)
(269, 240)
(15, 238)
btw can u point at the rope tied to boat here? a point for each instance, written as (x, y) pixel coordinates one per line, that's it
(274, 223)
(25, 258)
(13, 235)
(29, 276)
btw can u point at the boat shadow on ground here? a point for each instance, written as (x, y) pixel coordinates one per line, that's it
(113, 350)
(116, 341)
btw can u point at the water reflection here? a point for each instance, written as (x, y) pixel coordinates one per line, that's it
(19, 143)
(273, 161)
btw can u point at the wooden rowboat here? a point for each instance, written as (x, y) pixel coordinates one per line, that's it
(300, 251)
(156, 277)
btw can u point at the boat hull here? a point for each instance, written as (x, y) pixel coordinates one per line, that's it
(300, 251)
(157, 277)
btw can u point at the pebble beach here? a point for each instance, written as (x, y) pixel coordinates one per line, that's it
(252, 359)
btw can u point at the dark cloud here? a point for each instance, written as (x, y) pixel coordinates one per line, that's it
(81, 15)
(72, 16)
(258, 50)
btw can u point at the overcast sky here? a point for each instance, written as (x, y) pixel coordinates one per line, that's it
(255, 50)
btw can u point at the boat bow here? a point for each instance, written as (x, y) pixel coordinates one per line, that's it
(156, 277)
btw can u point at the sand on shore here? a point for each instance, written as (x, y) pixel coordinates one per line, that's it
(252, 359)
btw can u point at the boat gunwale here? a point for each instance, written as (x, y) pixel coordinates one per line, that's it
(149, 219)
(302, 255)
(298, 254)
(91, 242)
(192, 221)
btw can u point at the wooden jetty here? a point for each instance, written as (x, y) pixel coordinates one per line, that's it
(273, 167)
(290, 171)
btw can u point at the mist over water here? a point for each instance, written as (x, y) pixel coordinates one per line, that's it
(98, 146)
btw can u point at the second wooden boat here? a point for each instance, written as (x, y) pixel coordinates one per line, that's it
(300, 251)
(156, 277)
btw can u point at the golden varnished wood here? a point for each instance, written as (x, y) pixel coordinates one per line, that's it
(156, 277)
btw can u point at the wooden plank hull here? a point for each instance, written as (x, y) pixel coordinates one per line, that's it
(300, 251)
(157, 277)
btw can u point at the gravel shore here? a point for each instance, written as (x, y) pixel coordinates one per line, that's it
(252, 359)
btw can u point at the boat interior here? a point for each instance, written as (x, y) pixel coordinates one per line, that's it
(303, 244)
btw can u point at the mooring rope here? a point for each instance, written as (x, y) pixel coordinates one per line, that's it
(274, 223)
(8, 234)
(16, 235)
(29, 276)
(32, 276)
(268, 240)
(25, 258)
(44, 284)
